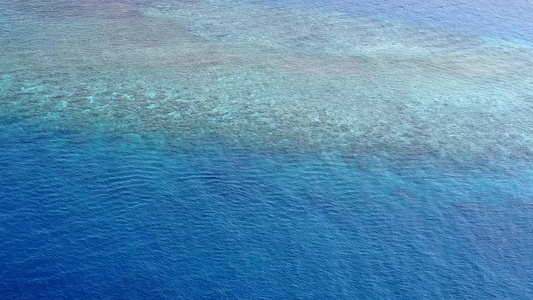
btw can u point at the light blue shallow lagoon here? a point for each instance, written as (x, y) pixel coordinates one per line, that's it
(266, 150)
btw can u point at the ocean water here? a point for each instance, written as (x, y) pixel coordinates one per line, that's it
(510, 20)
(266, 150)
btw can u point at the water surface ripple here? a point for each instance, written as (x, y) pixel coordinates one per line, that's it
(253, 150)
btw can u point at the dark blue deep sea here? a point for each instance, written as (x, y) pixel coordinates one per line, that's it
(113, 185)
(87, 216)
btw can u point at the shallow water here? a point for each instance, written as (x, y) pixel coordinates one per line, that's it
(223, 149)
(510, 20)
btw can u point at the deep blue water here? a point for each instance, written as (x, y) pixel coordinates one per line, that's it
(88, 216)
(103, 195)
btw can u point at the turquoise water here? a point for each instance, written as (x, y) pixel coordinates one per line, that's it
(223, 149)
(510, 20)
